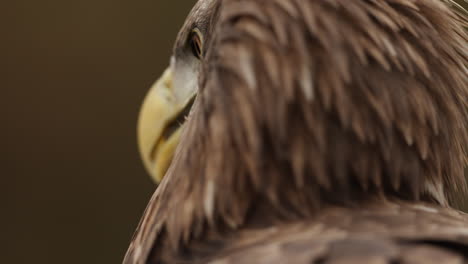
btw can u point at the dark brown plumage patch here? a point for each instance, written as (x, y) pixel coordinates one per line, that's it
(379, 233)
(305, 104)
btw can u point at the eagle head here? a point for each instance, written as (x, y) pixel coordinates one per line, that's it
(282, 107)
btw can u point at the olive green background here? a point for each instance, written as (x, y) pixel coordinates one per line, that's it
(72, 77)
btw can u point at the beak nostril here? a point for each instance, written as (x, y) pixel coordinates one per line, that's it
(167, 79)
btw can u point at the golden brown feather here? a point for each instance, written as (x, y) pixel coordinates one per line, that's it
(324, 131)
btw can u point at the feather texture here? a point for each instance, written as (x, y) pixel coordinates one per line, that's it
(309, 105)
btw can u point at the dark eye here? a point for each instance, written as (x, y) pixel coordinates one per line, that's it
(196, 43)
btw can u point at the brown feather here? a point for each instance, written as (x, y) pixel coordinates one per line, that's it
(379, 232)
(311, 116)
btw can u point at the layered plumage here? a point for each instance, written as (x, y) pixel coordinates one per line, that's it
(324, 131)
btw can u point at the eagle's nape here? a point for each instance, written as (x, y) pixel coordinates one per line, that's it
(378, 232)
(306, 107)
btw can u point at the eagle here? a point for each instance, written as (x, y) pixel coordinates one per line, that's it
(309, 131)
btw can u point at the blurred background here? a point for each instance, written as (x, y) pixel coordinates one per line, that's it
(73, 75)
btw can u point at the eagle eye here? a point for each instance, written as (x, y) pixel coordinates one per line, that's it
(196, 43)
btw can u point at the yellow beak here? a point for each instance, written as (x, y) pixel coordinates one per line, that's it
(159, 125)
